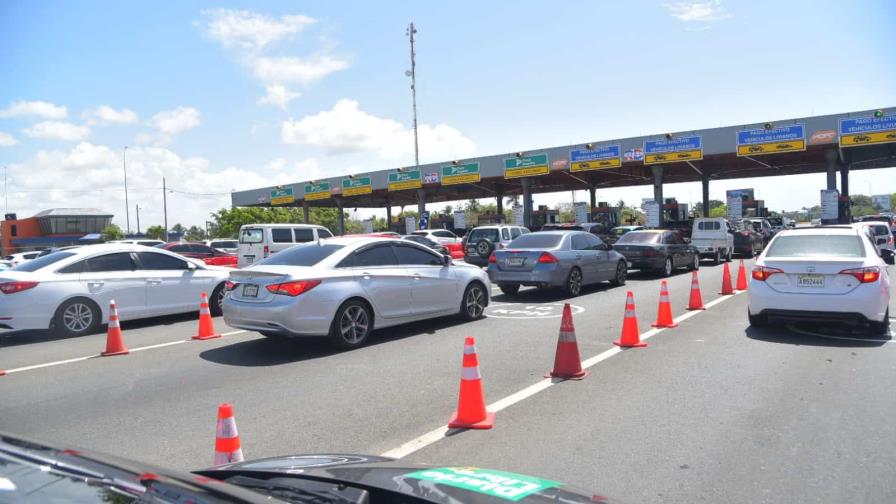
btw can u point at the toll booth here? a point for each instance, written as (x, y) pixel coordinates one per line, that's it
(675, 211)
(489, 219)
(441, 222)
(544, 215)
(754, 208)
(609, 216)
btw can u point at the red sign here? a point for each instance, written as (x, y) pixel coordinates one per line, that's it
(823, 136)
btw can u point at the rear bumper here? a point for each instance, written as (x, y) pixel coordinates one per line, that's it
(646, 263)
(539, 277)
(477, 260)
(814, 316)
(294, 318)
(867, 302)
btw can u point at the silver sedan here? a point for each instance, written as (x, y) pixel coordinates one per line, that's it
(346, 287)
(566, 259)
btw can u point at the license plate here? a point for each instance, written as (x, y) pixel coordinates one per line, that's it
(810, 281)
(516, 261)
(249, 259)
(250, 290)
(471, 250)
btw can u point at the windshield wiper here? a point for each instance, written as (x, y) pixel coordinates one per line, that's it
(63, 469)
(293, 491)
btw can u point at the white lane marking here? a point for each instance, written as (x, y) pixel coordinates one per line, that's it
(80, 359)
(440, 433)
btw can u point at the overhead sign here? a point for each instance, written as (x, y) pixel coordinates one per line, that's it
(282, 196)
(356, 186)
(686, 148)
(759, 141)
(652, 209)
(830, 207)
(317, 191)
(601, 157)
(460, 174)
(526, 166)
(399, 181)
(431, 177)
(823, 137)
(635, 154)
(867, 131)
(881, 202)
(743, 194)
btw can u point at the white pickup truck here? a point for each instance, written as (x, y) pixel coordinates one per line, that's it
(713, 238)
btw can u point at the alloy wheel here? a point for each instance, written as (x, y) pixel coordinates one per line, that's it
(474, 302)
(575, 282)
(353, 324)
(77, 317)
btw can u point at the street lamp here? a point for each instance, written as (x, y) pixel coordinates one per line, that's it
(127, 207)
(412, 73)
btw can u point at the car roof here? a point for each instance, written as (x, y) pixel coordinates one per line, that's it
(351, 240)
(280, 225)
(822, 230)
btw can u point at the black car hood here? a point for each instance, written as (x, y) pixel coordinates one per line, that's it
(449, 485)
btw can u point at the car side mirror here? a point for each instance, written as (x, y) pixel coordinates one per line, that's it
(446, 260)
(888, 256)
(191, 266)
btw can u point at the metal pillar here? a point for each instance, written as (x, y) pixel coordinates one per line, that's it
(341, 217)
(305, 214)
(388, 216)
(592, 192)
(499, 199)
(833, 163)
(527, 202)
(421, 203)
(846, 215)
(704, 181)
(658, 190)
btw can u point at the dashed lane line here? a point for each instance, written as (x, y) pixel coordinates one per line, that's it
(440, 433)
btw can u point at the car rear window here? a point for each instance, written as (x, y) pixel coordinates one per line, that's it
(536, 241)
(224, 244)
(709, 225)
(640, 237)
(478, 234)
(880, 230)
(40, 262)
(816, 245)
(301, 255)
(776, 221)
(252, 235)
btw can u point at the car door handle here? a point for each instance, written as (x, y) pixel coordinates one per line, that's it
(366, 275)
(416, 276)
(95, 283)
(578, 256)
(153, 281)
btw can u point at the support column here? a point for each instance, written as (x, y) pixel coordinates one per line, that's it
(832, 158)
(388, 215)
(846, 215)
(657, 171)
(704, 181)
(421, 202)
(305, 214)
(527, 201)
(499, 199)
(592, 192)
(341, 216)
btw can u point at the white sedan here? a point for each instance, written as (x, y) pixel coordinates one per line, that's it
(440, 236)
(347, 287)
(69, 291)
(824, 274)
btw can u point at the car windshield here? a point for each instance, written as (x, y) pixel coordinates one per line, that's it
(816, 245)
(640, 237)
(478, 234)
(252, 235)
(307, 254)
(776, 221)
(536, 241)
(620, 231)
(40, 262)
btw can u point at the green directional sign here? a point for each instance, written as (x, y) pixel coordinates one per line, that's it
(282, 196)
(401, 180)
(356, 186)
(460, 174)
(317, 191)
(526, 166)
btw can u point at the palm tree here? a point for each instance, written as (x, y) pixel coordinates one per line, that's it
(473, 205)
(513, 200)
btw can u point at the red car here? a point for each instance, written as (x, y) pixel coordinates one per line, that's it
(208, 255)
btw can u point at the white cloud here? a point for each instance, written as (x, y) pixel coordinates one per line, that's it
(710, 10)
(172, 122)
(282, 69)
(277, 95)
(249, 30)
(7, 140)
(104, 115)
(345, 128)
(43, 109)
(57, 130)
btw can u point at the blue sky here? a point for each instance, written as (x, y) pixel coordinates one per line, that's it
(219, 96)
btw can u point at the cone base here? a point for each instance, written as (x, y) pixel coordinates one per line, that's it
(639, 344)
(575, 376)
(697, 308)
(2, 372)
(210, 336)
(120, 352)
(664, 326)
(486, 423)
(723, 293)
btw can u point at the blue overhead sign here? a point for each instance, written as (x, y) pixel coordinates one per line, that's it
(867, 130)
(685, 148)
(602, 156)
(787, 138)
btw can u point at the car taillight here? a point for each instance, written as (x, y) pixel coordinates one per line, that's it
(13, 287)
(229, 286)
(266, 251)
(293, 288)
(762, 273)
(650, 252)
(547, 258)
(742, 233)
(492, 259)
(863, 275)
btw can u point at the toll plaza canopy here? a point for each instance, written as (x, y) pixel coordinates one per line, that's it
(840, 142)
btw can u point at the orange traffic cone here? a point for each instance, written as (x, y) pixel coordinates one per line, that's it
(726, 281)
(114, 339)
(664, 312)
(567, 362)
(206, 326)
(227, 439)
(696, 300)
(2, 372)
(631, 337)
(741, 277)
(471, 412)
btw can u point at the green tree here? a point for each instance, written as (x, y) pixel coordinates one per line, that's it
(719, 211)
(112, 232)
(179, 229)
(195, 233)
(155, 232)
(698, 206)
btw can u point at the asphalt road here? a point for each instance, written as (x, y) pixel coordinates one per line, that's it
(710, 411)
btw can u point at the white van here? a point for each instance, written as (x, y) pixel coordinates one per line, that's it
(713, 238)
(258, 241)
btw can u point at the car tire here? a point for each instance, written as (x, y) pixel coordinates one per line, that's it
(695, 264)
(76, 317)
(216, 300)
(757, 320)
(352, 324)
(573, 285)
(621, 273)
(472, 305)
(509, 289)
(718, 258)
(882, 328)
(667, 268)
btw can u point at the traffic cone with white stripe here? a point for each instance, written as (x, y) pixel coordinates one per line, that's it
(664, 312)
(696, 300)
(631, 337)
(726, 282)
(227, 439)
(471, 413)
(114, 338)
(741, 277)
(567, 362)
(206, 326)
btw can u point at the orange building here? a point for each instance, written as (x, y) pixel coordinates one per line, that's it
(56, 227)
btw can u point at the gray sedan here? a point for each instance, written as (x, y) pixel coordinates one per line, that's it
(566, 259)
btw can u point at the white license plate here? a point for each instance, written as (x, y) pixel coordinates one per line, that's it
(250, 290)
(516, 261)
(249, 259)
(471, 250)
(810, 281)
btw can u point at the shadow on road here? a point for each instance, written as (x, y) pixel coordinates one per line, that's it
(548, 295)
(817, 335)
(17, 338)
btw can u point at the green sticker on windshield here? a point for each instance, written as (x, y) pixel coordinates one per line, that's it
(504, 485)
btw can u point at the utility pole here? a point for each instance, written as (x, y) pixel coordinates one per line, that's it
(127, 206)
(412, 73)
(165, 207)
(6, 190)
(137, 208)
